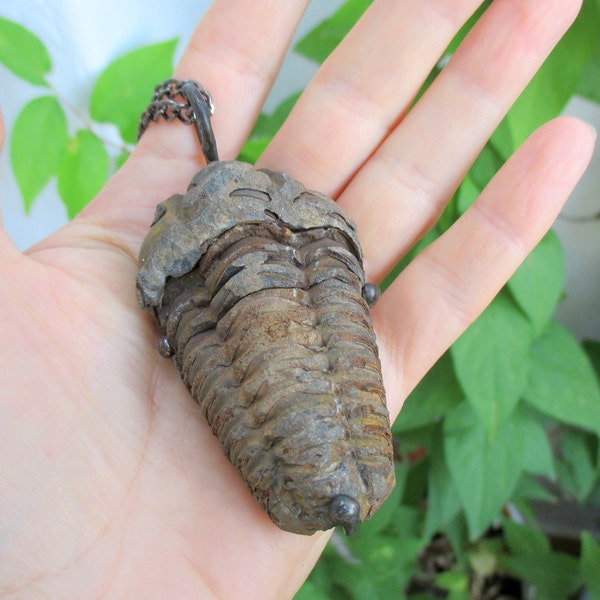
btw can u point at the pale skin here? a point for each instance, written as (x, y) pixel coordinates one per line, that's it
(112, 484)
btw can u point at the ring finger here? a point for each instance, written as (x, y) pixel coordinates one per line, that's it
(405, 185)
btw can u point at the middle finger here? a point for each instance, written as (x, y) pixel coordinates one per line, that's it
(362, 89)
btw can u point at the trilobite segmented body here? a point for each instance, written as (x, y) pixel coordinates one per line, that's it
(257, 285)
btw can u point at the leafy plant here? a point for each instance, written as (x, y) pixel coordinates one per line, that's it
(53, 139)
(509, 417)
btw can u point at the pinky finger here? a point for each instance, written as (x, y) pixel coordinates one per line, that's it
(450, 283)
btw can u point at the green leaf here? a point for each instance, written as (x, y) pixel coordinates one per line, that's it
(121, 159)
(320, 577)
(253, 148)
(485, 469)
(322, 40)
(524, 539)
(485, 166)
(83, 171)
(529, 488)
(443, 501)
(555, 575)
(265, 128)
(483, 557)
(407, 522)
(436, 394)
(576, 468)
(449, 214)
(561, 380)
(269, 125)
(588, 565)
(458, 534)
(385, 557)
(592, 349)
(415, 486)
(124, 88)
(379, 567)
(558, 78)
(411, 444)
(455, 583)
(538, 458)
(468, 192)
(309, 591)
(38, 141)
(491, 360)
(502, 141)
(538, 282)
(589, 83)
(23, 53)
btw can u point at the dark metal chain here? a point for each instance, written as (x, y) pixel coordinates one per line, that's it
(169, 103)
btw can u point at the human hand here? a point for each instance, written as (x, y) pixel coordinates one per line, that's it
(113, 484)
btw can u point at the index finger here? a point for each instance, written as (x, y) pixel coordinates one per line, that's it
(235, 52)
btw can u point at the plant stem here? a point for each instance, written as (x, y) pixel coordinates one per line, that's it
(88, 123)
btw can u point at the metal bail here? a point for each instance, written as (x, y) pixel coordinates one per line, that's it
(192, 92)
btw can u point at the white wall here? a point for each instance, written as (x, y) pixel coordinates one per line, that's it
(580, 235)
(83, 37)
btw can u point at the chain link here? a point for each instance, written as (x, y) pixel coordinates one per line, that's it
(169, 103)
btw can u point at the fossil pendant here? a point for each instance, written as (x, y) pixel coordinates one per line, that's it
(258, 288)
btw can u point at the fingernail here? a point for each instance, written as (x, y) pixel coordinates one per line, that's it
(592, 129)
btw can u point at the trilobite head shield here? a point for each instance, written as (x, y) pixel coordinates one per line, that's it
(257, 285)
(221, 197)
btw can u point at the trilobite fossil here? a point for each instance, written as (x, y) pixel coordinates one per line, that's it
(258, 287)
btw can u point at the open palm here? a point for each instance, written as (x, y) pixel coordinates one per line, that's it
(112, 484)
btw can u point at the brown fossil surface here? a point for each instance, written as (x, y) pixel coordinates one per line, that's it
(257, 286)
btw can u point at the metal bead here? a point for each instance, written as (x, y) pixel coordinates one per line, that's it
(371, 293)
(164, 348)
